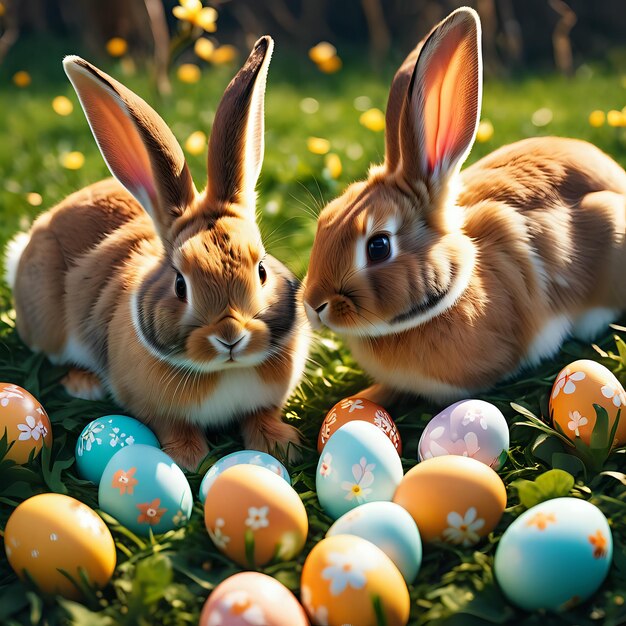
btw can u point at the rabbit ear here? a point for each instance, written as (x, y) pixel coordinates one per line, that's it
(442, 108)
(138, 147)
(236, 145)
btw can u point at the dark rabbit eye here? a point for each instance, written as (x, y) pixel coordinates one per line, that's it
(378, 248)
(262, 273)
(180, 286)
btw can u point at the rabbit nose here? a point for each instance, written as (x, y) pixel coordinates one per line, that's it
(226, 345)
(230, 345)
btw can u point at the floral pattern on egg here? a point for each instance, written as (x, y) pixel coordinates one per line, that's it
(26, 423)
(576, 389)
(471, 428)
(354, 408)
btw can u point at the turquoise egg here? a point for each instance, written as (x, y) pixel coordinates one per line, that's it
(145, 490)
(103, 437)
(249, 457)
(359, 464)
(555, 555)
(388, 526)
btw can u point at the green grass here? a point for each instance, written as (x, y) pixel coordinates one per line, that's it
(165, 580)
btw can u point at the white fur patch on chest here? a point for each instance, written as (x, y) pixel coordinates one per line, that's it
(548, 340)
(238, 392)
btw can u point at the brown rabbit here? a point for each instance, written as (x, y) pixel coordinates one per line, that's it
(445, 282)
(159, 294)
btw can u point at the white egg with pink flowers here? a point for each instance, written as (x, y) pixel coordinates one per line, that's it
(471, 428)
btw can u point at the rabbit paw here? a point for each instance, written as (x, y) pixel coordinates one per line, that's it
(266, 431)
(185, 443)
(83, 384)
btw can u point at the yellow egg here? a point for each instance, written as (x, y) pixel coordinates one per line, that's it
(25, 422)
(348, 580)
(453, 498)
(253, 516)
(52, 534)
(577, 388)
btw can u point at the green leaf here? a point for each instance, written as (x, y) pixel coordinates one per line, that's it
(528, 492)
(600, 433)
(555, 483)
(82, 616)
(152, 577)
(569, 463)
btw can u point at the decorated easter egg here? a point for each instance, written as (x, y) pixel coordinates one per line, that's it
(145, 490)
(348, 580)
(555, 555)
(53, 540)
(103, 437)
(25, 422)
(576, 389)
(253, 515)
(356, 408)
(252, 598)
(453, 498)
(388, 526)
(253, 457)
(359, 464)
(471, 428)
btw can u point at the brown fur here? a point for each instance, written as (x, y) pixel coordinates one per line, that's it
(95, 285)
(538, 225)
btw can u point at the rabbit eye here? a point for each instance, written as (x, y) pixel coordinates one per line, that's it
(262, 273)
(180, 286)
(378, 248)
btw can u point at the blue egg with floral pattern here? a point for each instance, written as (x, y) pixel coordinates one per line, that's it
(555, 555)
(389, 527)
(103, 437)
(145, 490)
(359, 464)
(247, 457)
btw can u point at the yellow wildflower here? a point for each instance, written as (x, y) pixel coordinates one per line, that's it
(196, 143)
(224, 54)
(117, 47)
(189, 73)
(322, 52)
(193, 12)
(484, 132)
(72, 160)
(204, 48)
(22, 78)
(333, 165)
(330, 66)
(62, 105)
(596, 118)
(317, 145)
(34, 199)
(373, 119)
(615, 118)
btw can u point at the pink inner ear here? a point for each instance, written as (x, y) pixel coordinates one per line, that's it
(450, 92)
(117, 139)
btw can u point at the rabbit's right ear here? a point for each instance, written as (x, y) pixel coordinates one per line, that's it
(236, 144)
(441, 108)
(137, 145)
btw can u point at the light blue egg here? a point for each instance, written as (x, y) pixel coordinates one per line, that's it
(144, 489)
(554, 555)
(249, 457)
(359, 464)
(103, 437)
(388, 526)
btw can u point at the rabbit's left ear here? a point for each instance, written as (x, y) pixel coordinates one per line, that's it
(237, 144)
(442, 106)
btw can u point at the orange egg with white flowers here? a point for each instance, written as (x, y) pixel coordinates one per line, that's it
(453, 498)
(576, 389)
(25, 422)
(253, 516)
(355, 408)
(348, 580)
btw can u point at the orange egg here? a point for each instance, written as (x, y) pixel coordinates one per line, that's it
(355, 408)
(348, 580)
(453, 498)
(253, 516)
(26, 423)
(577, 388)
(49, 534)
